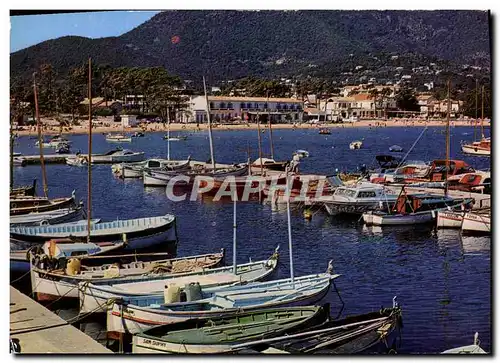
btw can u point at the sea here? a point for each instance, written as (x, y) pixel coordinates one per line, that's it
(442, 280)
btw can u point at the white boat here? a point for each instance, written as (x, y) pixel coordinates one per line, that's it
(139, 233)
(467, 349)
(77, 160)
(118, 156)
(53, 142)
(118, 138)
(52, 283)
(450, 219)
(411, 169)
(302, 153)
(49, 217)
(140, 314)
(475, 222)
(480, 148)
(415, 209)
(93, 296)
(359, 198)
(136, 170)
(355, 145)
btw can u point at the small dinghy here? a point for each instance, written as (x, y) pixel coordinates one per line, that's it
(28, 204)
(139, 233)
(136, 170)
(49, 217)
(355, 145)
(118, 156)
(77, 160)
(467, 349)
(24, 191)
(175, 138)
(301, 153)
(396, 149)
(218, 334)
(118, 138)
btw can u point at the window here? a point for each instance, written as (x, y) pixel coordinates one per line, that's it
(230, 105)
(242, 105)
(222, 105)
(249, 105)
(366, 195)
(211, 105)
(256, 105)
(265, 105)
(278, 106)
(285, 107)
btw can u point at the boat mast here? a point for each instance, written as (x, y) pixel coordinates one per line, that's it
(40, 139)
(270, 128)
(89, 158)
(475, 121)
(234, 235)
(482, 111)
(447, 140)
(212, 157)
(260, 144)
(168, 136)
(12, 151)
(288, 193)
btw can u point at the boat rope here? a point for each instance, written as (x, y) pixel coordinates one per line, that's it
(411, 148)
(20, 278)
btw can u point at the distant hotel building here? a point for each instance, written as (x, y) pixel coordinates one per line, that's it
(226, 109)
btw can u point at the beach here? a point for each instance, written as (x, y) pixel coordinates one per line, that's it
(105, 126)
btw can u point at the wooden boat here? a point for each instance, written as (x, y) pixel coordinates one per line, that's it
(139, 233)
(269, 164)
(25, 205)
(477, 222)
(359, 199)
(136, 170)
(219, 334)
(355, 145)
(49, 217)
(136, 314)
(57, 280)
(24, 191)
(118, 156)
(375, 332)
(415, 209)
(60, 248)
(118, 138)
(450, 219)
(467, 349)
(480, 148)
(325, 131)
(93, 296)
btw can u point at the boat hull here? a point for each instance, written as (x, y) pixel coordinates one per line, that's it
(398, 219)
(53, 205)
(476, 223)
(356, 208)
(475, 150)
(449, 219)
(50, 217)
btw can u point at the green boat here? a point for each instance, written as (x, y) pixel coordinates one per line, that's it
(218, 335)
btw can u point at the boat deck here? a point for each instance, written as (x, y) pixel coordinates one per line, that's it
(40, 331)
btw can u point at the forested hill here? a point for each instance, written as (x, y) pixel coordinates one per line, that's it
(231, 44)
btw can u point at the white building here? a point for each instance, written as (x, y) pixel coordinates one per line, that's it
(230, 109)
(129, 120)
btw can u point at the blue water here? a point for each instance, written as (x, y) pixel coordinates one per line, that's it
(442, 280)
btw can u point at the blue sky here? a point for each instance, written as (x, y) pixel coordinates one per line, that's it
(33, 29)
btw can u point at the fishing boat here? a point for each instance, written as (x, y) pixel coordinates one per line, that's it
(63, 148)
(24, 191)
(136, 170)
(301, 153)
(359, 199)
(396, 148)
(58, 250)
(375, 332)
(355, 145)
(139, 233)
(93, 296)
(450, 218)
(215, 335)
(162, 178)
(467, 349)
(480, 148)
(175, 138)
(118, 156)
(61, 278)
(118, 138)
(477, 222)
(49, 217)
(135, 314)
(269, 164)
(325, 131)
(412, 209)
(77, 160)
(24, 205)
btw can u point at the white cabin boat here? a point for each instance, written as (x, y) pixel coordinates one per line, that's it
(359, 198)
(135, 170)
(480, 148)
(355, 145)
(118, 156)
(118, 138)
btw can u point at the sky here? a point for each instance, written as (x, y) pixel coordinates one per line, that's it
(28, 30)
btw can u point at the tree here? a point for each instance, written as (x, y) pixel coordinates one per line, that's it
(406, 100)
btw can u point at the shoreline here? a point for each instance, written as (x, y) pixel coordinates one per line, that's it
(178, 127)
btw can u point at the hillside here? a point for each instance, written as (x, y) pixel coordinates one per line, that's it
(231, 44)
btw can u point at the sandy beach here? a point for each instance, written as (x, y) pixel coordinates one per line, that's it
(50, 128)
